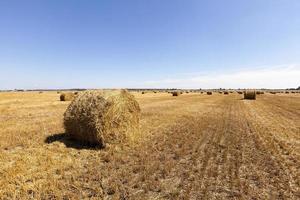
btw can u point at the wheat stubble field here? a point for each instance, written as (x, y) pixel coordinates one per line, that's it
(194, 146)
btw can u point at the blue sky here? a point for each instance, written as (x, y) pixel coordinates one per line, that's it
(149, 43)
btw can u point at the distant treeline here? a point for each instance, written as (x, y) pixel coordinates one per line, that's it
(139, 89)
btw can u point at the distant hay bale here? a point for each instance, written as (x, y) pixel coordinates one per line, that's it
(68, 96)
(75, 93)
(209, 93)
(175, 93)
(259, 92)
(101, 117)
(143, 92)
(287, 92)
(226, 92)
(273, 92)
(250, 94)
(220, 92)
(240, 92)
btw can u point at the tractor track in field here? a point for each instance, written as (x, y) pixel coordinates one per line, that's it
(279, 134)
(219, 155)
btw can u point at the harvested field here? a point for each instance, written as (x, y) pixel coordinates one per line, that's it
(190, 147)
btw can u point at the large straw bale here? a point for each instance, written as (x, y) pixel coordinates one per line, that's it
(100, 117)
(250, 94)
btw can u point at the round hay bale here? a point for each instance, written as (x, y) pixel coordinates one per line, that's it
(250, 94)
(100, 117)
(226, 92)
(259, 92)
(69, 96)
(175, 93)
(143, 92)
(209, 93)
(240, 92)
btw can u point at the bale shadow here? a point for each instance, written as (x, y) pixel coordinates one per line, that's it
(71, 143)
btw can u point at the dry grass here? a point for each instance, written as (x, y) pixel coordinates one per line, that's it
(193, 147)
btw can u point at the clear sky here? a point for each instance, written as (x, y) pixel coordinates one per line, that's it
(149, 43)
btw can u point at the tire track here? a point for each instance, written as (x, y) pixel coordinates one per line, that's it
(274, 173)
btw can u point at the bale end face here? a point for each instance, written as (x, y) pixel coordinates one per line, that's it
(100, 117)
(250, 95)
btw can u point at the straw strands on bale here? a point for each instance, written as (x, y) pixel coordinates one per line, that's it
(68, 96)
(175, 93)
(101, 117)
(250, 94)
